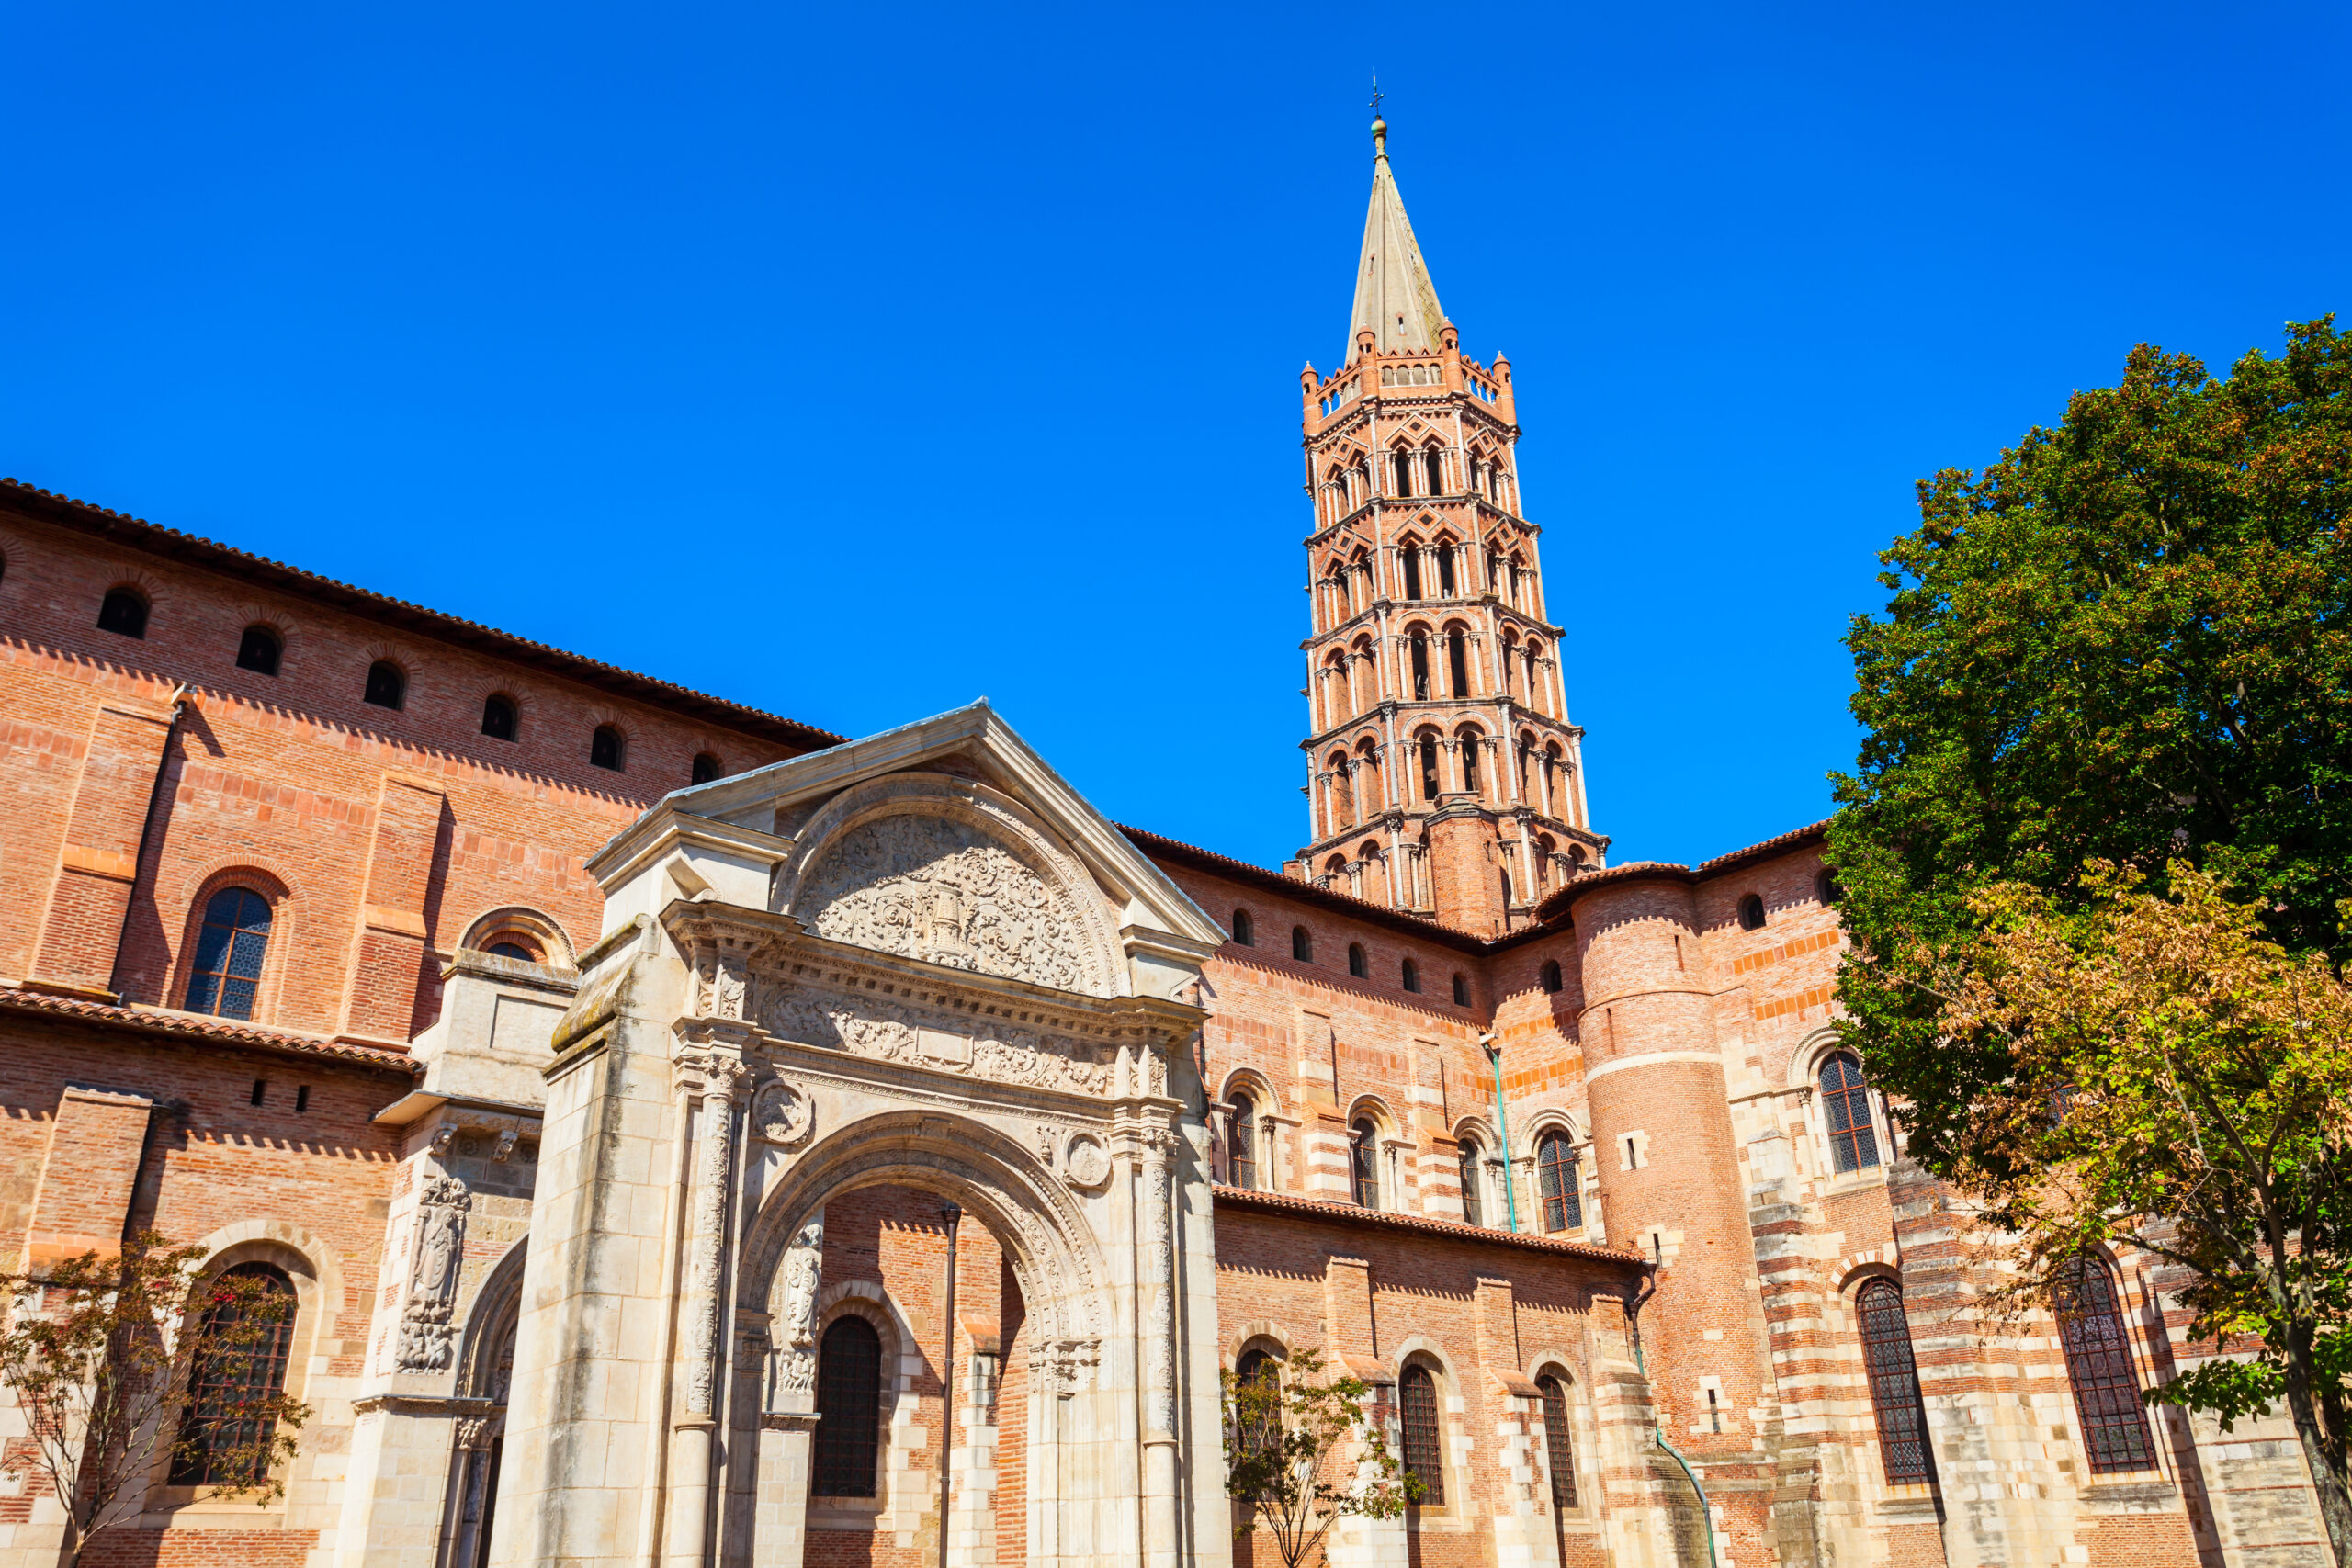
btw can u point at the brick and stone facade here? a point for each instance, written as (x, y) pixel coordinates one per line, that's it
(594, 1093)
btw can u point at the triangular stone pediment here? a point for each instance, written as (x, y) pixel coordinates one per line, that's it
(949, 841)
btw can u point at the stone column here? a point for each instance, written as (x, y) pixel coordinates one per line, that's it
(788, 1421)
(713, 1080)
(1158, 1334)
(469, 1483)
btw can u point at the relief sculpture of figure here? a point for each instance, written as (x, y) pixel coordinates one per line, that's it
(803, 1264)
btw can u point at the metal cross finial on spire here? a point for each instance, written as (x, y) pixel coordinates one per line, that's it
(1376, 95)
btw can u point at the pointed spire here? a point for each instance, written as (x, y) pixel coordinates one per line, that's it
(1395, 301)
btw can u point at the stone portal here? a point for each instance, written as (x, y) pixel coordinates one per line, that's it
(916, 963)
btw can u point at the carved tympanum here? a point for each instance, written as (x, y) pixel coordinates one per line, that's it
(940, 889)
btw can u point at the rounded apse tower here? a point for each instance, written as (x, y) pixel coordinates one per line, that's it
(1668, 1167)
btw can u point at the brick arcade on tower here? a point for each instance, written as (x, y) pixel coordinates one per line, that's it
(594, 1063)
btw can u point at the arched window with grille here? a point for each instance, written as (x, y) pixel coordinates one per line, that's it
(1356, 964)
(1259, 1367)
(387, 685)
(706, 769)
(605, 748)
(1846, 1102)
(1894, 1384)
(225, 977)
(1557, 1181)
(1411, 975)
(222, 1442)
(498, 716)
(1245, 930)
(2099, 1365)
(123, 611)
(1363, 1154)
(1461, 990)
(1474, 1208)
(1417, 1397)
(1552, 975)
(259, 649)
(849, 1409)
(1558, 1446)
(1241, 1144)
(1751, 913)
(1302, 946)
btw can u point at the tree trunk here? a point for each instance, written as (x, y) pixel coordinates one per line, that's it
(2327, 1481)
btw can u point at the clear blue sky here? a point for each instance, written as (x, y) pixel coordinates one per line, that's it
(853, 362)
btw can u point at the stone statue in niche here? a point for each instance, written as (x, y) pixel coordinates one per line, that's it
(803, 1267)
(941, 889)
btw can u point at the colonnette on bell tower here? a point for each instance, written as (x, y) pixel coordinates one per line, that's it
(1442, 773)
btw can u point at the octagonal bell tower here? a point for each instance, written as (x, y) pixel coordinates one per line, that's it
(1443, 775)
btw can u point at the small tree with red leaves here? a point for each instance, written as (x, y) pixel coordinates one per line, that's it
(123, 1364)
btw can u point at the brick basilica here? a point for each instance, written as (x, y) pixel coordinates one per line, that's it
(611, 1072)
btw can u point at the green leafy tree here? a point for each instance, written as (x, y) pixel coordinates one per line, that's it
(2123, 651)
(101, 1354)
(1301, 1454)
(2127, 641)
(2178, 1082)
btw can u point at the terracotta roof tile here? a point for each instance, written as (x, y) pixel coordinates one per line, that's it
(1558, 904)
(121, 528)
(211, 1031)
(1285, 886)
(1293, 1206)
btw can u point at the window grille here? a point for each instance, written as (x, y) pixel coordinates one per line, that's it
(706, 769)
(1894, 1384)
(221, 1444)
(1262, 1435)
(849, 1409)
(387, 687)
(1417, 1393)
(1751, 913)
(1555, 1178)
(123, 613)
(1846, 1101)
(229, 947)
(1241, 1145)
(2099, 1365)
(258, 650)
(498, 718)
(1556, 1442)
(605, 747)
(1363, 1139)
